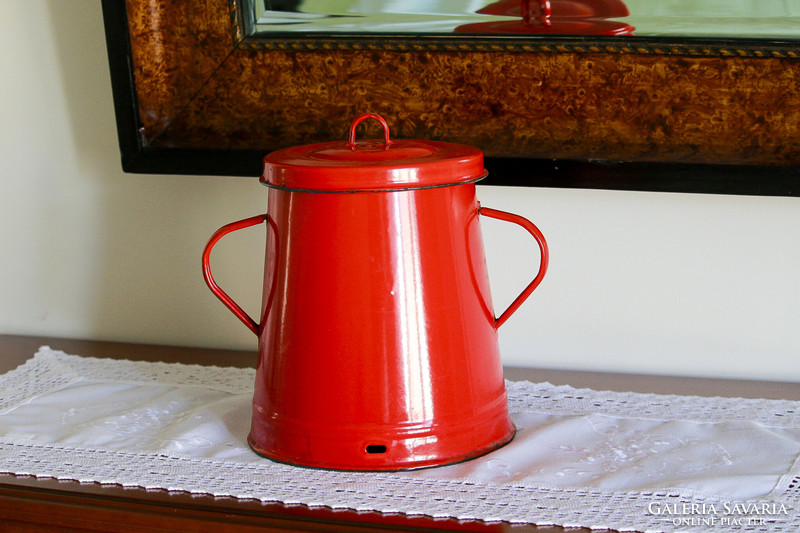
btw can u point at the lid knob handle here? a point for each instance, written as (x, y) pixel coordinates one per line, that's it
(543, 14)
(359, 120)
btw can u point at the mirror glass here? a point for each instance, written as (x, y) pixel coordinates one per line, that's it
(728, 19)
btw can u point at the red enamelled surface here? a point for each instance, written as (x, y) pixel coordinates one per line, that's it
(377, 335)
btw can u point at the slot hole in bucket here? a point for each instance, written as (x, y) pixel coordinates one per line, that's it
(376, 448)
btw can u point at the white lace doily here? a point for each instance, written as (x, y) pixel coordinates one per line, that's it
(581, 457)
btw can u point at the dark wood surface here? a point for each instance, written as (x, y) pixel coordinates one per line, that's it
(40, 504)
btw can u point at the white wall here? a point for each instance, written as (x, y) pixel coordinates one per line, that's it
(639, 282)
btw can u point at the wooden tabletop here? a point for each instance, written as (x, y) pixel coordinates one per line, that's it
(39, 504)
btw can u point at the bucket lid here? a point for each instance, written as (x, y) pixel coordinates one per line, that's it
(372, 165)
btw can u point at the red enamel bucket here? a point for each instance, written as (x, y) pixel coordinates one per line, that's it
(377, 336)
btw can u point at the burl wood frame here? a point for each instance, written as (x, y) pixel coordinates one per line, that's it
(195, 94)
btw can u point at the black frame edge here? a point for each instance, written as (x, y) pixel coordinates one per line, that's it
(123, 84)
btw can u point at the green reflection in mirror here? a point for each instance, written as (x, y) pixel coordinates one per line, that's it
(766, 19)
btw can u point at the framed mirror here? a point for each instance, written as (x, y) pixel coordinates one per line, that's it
(620, 94)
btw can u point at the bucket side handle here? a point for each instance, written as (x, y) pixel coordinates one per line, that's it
(533, 230)
(251, 324)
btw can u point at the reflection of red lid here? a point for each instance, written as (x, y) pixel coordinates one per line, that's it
(587, 17)
(563, 8)
(570, 26)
